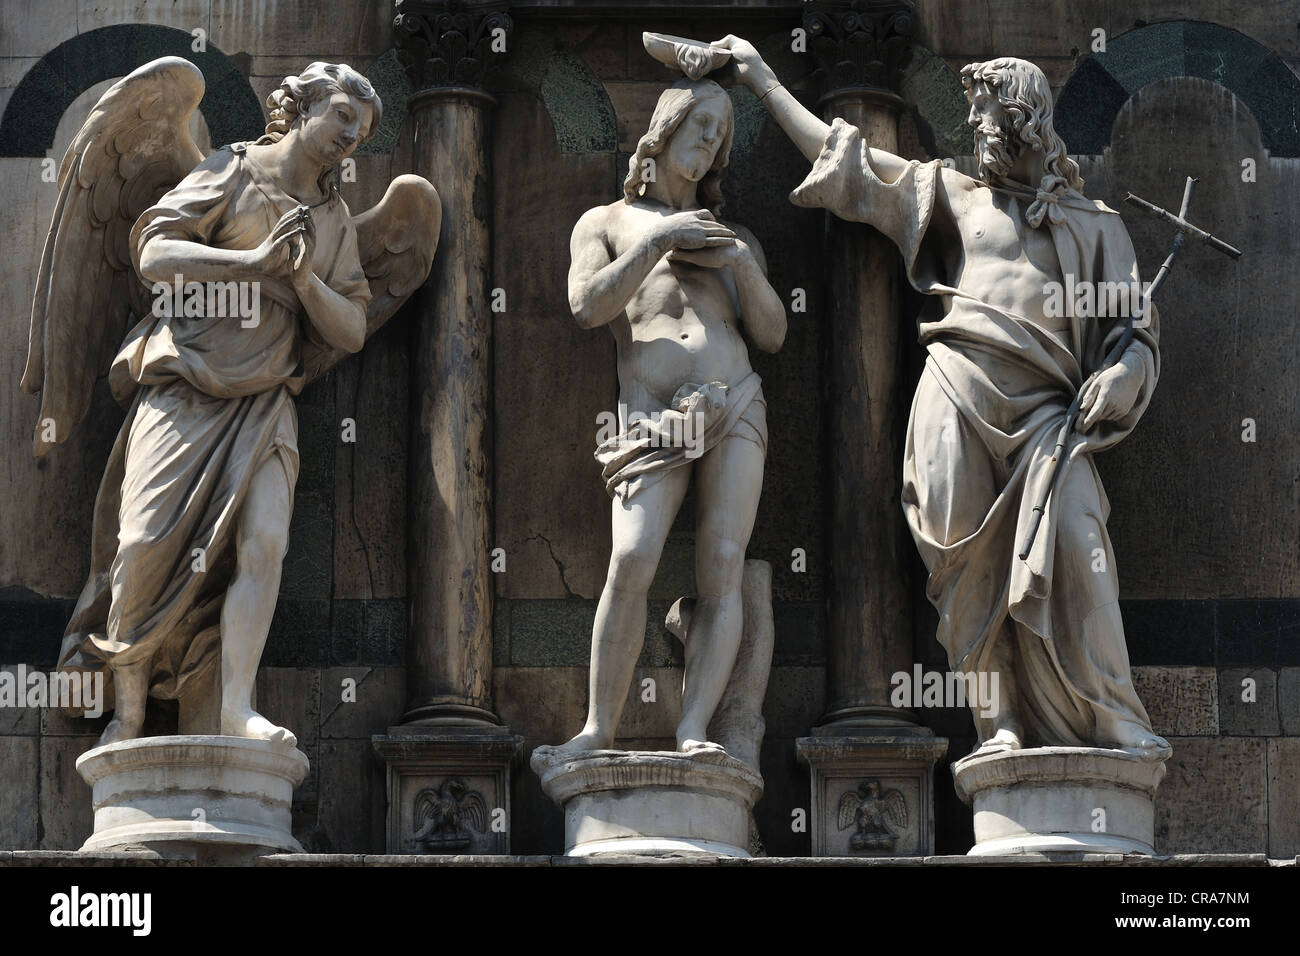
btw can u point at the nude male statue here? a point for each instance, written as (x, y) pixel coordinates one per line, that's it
(1001, 370)
(677, 287)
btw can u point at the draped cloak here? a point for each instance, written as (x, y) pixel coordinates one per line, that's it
(210, 402)
(992, 397)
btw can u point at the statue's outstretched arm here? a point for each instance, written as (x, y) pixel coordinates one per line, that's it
(805, 129)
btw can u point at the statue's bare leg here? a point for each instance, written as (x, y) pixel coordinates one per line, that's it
(640, 526)
(729, 480)
(131, 692)
(261, 540)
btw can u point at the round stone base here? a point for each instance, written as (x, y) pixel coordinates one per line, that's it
(1060, 800)
(193, 795)
(653, 803)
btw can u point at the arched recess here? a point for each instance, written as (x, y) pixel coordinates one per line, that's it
(229, 106)
(1103, 82)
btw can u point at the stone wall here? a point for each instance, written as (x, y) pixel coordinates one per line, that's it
(1204, 523)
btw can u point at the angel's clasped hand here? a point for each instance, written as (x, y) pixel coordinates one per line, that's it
(287, 252)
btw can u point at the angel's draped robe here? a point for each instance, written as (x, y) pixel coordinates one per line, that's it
(984, 420)
(210, 403)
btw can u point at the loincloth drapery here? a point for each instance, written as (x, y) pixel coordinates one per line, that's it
(697, 420)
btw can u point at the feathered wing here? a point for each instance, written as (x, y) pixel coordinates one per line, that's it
(848, 809)
(473, 811)
(396, 241)
(895, 806)
(133, 148)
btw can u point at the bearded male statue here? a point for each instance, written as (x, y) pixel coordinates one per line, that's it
(1002, 367)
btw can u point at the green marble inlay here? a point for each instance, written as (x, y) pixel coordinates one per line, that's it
(1250, 70)
(580, 109)
(1145, 55)
(750, 116)
(931, 86)
(389, 80)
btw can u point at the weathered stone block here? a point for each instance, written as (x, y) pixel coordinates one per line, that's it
(350, 804)
(1288, 700)
(1180, 700)
(360, 710)
(18, 721)
(1248, 702)
(67, 818)
(1284, 798)
(796, 698)
(1215, 797)
(550, 702)
(19, 800)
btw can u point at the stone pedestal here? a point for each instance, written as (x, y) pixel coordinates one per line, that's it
(1060, 800)
(192, 796)
(652, 803)
(872, 794)
(448, 792)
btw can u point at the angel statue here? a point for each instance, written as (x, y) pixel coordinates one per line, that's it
(261, 281)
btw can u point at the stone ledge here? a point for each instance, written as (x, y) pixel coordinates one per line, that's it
(70, 858)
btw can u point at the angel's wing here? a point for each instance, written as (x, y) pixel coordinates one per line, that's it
(849, 804)
(895, 807)
(134, 147)
(396, 240)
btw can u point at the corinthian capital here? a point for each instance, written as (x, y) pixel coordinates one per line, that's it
(450, 42)
(861, 43)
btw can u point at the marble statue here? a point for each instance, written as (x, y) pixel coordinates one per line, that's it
(257, 279)
(678, 286)
(1002, 367)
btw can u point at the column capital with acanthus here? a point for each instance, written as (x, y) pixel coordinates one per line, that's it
(450, 43)
(861, 44)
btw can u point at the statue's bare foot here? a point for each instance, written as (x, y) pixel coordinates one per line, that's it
(121, 727)
(1141, 742)
(249, 723)
(1003, 741)
(587, 740)
(691, 745)
(693, 737)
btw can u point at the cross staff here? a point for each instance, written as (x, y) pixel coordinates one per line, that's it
(1184, 228)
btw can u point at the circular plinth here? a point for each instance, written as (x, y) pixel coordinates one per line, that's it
(1060, 800)
(192, 794)
(653, 803)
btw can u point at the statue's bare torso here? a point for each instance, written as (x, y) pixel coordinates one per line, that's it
(1000, 258)
(681, 325)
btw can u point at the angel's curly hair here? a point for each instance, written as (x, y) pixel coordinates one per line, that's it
(297, 94)
(1025, 94)
(675, 103)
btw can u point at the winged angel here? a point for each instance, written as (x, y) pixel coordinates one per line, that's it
(191, 521)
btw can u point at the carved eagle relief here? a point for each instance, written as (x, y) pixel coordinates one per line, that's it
(878, 817)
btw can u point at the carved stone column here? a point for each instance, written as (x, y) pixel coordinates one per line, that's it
(864, 744)
(449, 745)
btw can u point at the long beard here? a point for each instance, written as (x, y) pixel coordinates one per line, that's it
(996, 150)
